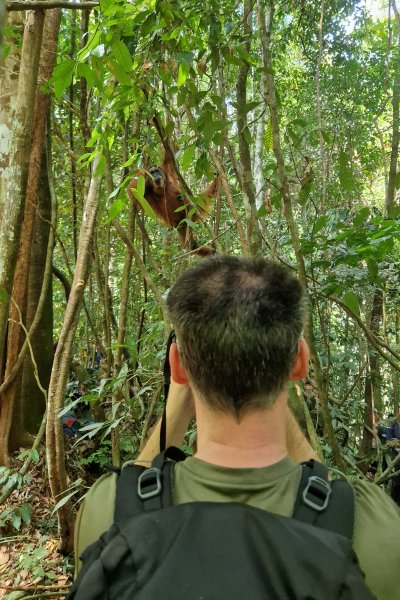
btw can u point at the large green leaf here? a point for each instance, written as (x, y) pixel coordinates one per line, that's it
(183, 72)
(122, 55)
(351, 300)
(144, 204)
(187, 157)
(62, 77)
(184, 58)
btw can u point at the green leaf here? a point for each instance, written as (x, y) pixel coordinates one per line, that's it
(319, 224)
(190, 223)
(361, 216)
(122, 55)
(62, 77)
(262, 211)
(372, 269)
(248, 107)
(185, 58)
(63, 501)
(351, 300)
(119, 73)
(34, 454)
(304, 194)
(116, 207)
(16, 521)
(92, 43)
(247, 135)
(149, 24)
(346, 177)
(25, 512)
(326, 136)
(299, 122)
(187, 157)
(141, 185)
(144, 204)
(105, 5)
(183, 72)
(101, 167)
(268, 141)
(230, 58)
(83, 70)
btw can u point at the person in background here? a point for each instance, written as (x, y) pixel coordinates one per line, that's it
(393, 442)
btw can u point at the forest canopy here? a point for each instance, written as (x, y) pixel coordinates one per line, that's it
(290, 110)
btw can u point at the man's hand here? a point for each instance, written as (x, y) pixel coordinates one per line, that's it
(393, 443)
(180, 411)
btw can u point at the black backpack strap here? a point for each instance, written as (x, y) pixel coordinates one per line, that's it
(142, 489)
(326, 504)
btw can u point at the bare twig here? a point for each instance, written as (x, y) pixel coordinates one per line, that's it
(42, 4)
(22, 588)
(386, 473)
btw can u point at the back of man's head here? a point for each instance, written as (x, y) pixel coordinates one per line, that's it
(238, 322)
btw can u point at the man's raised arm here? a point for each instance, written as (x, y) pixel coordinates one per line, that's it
(180, 411)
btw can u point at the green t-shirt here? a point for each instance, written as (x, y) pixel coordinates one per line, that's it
(377, 519)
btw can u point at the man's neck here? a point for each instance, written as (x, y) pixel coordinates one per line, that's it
(257, 440)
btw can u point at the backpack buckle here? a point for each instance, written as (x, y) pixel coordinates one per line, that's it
(149, 483)
(316, 493)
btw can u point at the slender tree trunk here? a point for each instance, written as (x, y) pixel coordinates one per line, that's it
(258, 174)
(83, 96)
(394, 153)
(322, 151)
(372, 380)
(249, 196)
(62, 359)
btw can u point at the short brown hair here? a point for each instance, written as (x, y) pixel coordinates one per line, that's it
(238, 322)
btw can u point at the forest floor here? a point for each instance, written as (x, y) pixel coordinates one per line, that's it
(30, 564)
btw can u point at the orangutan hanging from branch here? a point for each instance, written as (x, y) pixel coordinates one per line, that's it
(163, 193)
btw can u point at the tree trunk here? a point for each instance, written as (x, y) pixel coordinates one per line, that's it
(61, 363)
(249, 196)
(258, 174)
(12, 199)
(372, 381)
(9, 69)
(12, 429)
(394, 152)
(32, 400)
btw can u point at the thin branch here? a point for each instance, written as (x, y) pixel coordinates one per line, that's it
(22, 588)
(386, 473)
(44, 5)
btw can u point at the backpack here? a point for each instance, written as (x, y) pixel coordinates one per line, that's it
(222, 551)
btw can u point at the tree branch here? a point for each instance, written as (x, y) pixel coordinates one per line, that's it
(43, 4)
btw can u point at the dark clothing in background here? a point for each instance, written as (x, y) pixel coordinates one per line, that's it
(393, 433)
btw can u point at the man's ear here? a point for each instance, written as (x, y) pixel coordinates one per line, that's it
(178, 373)
(300, 365)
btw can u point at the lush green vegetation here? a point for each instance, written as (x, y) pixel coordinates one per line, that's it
(295, 107)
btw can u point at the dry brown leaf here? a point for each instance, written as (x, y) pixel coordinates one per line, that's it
(4, 558)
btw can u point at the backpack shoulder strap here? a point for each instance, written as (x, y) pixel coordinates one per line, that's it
(141, 489)
(326, 504)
